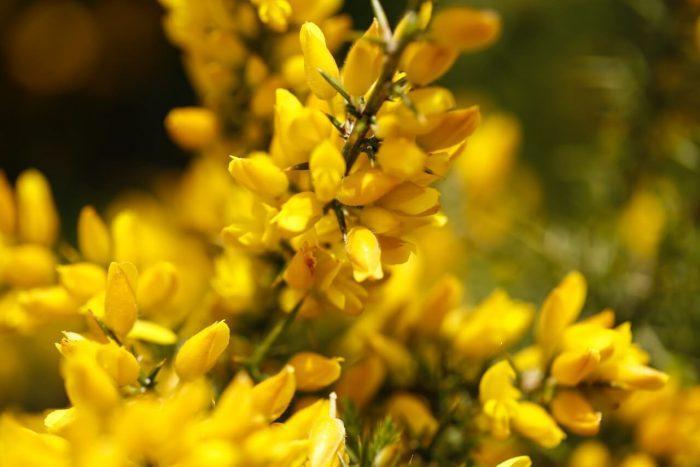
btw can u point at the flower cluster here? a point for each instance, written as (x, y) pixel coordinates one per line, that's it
(187, 350)
(347, 176)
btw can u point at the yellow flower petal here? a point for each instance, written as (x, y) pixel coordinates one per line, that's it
(364, 253)
(272, 397)
(154, 333)
(574, 412)
(200, 352)
(36, 212)
(327, 167)
(465, 28)
(318, 57)
(314, 371)
(120, 298)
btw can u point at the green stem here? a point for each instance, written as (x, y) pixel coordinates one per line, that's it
(263, 348)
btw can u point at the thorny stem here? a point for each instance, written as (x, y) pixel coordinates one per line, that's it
(263, 348)
(381, 91)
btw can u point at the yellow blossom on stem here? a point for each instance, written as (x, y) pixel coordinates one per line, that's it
(200, 352)
(318, 59)
(93, 236)
(120, 309)
(365, 254)
(36, 212)
(314, 371)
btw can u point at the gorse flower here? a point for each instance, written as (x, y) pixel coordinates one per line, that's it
(303, 308)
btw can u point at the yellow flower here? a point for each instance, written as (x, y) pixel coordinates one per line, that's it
(272, 397)
(362, 63)
(28, 266)
(36, 212)
(120, 309)
(192, 127)
(298, 213)
(274, 13)
(455, 127)
(365, 186)
(200, 352)
(411, 199)
(590, 454)
(495, 324)
(574, 412)
(88, 385)
(560, 309)
(83, 280)
(151, 332)
(259, 174)
(401, 158)
(642, 223)
(327, 169)
(327, 439)
(318, 57)
(93, 236)
(364, 253)
(520, 461)
(157, 285)
(532, 421)
(466, 29)
(119, 363)
(413, 413)
(314, 371)
(425, 62)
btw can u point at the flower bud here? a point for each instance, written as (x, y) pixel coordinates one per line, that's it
(364, 253)
(363, 63)
(120, 299)
(8, 209)
(465, 28)
(157, 286)
(82, 280)
(119, 363)
(36, 212)
(272, 397)
(93, 237)
(314, 371)
(401, 158)
(454, 128)
(259, 174)
(318, 57)
(192, 127)
(574, 412)
(425, 62)
(327, 169)
(200, 352)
